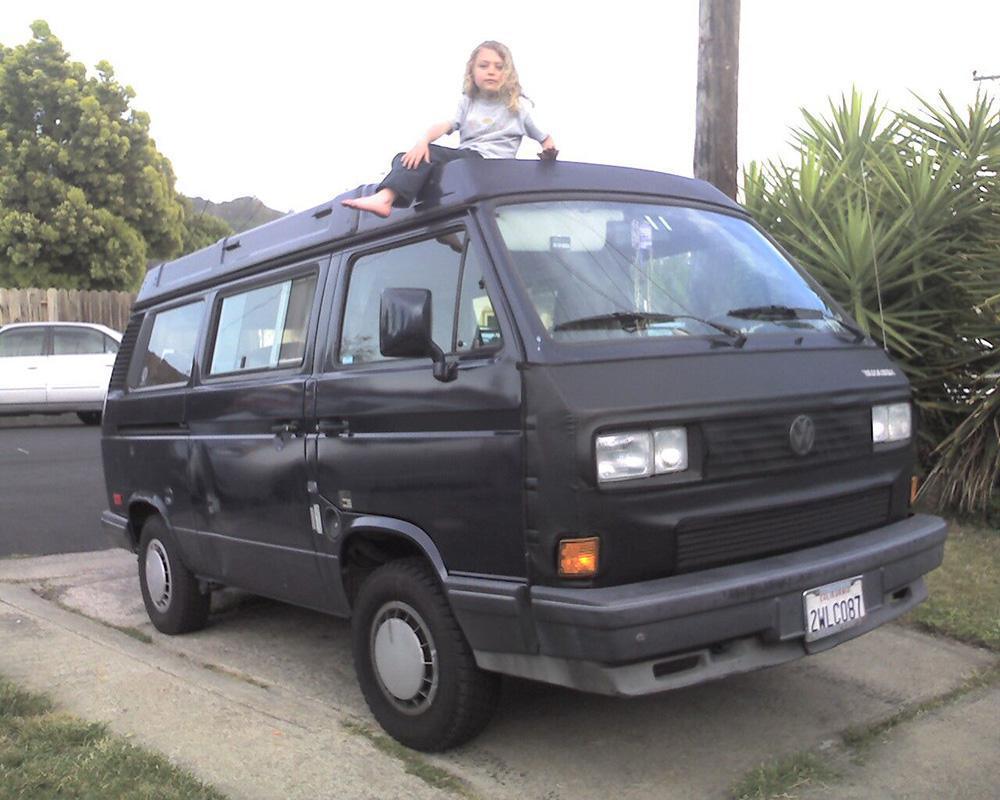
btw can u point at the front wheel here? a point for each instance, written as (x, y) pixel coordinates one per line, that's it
(416, 669)
(173, 598)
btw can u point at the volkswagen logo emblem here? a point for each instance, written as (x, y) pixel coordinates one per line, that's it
(802, 435)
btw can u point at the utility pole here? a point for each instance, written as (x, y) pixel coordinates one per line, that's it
(715, 113)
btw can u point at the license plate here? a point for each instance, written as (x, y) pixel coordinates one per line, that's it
(834, 607)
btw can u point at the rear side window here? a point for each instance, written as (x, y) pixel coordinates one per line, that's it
(22, 342)
(81, 341)
(263, 328)
(169, 355)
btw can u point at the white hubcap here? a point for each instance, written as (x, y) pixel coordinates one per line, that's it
(399, 658)
(404, 657)
(158, 581)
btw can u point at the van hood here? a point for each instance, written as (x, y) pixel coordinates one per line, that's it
(733, 380)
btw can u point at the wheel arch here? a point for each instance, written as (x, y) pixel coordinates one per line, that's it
(140, 508)
(372, 541)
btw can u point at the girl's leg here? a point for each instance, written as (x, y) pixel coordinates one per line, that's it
(401, 186)
(379, 203)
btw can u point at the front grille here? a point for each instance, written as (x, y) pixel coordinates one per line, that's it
(751, 445)
(714, 541)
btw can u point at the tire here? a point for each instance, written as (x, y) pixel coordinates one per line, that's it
(402, 618)
(174, 601)
(89, 417)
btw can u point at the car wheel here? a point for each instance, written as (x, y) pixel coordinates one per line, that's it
(173, 598)
(415, 667)
(89, 417)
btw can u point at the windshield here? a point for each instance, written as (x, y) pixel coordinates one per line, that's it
(599, 270)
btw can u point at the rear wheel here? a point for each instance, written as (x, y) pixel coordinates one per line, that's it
(416, 669)
(89, 417)
(173, 598)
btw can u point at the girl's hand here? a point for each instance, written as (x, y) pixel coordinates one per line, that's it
(421, 151)
(549, 151)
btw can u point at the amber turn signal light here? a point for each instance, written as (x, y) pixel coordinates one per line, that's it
(578, 557)
(914, 488)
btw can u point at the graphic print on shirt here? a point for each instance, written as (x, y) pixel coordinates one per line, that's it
(481, 125)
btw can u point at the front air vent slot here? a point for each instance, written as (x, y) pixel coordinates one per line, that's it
(715, 541)
(675, 665)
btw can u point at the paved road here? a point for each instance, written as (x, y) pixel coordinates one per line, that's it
(51, 486)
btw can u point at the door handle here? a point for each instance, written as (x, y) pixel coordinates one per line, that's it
(333, 427)
(286, 428)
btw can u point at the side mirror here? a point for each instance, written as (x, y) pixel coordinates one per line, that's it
(405, 330)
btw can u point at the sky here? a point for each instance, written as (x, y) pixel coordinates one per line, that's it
(295, 102)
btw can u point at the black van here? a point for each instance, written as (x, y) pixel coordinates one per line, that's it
(580, 424)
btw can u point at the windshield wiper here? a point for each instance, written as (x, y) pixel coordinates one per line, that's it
(630, 322)
(777, 312)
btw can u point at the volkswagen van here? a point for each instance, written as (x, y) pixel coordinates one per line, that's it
(579, 424)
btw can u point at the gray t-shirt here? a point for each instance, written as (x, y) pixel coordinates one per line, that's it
(492, 129)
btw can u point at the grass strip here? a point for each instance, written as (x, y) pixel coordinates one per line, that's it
(964, 601)
(781, 777)
(860, 738)
(413, 762)
(52, 595)
(46, 755)
(135, 633)
(232, 673)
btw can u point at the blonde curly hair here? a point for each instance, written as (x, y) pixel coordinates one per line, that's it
(510, 87)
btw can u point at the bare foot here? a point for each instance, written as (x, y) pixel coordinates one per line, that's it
(379, 204)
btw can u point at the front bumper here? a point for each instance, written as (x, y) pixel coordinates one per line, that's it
(655, 635)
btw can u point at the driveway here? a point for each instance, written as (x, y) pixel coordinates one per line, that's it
(263, 703)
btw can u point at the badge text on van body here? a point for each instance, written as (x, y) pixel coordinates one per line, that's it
(878, 373)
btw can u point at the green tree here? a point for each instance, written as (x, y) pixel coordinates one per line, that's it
(85, 197)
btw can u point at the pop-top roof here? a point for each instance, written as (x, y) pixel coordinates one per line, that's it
(460, 183)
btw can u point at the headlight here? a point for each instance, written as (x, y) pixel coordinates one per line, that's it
(621, 456)
(639, 454)
(891, 423)
(670, 449)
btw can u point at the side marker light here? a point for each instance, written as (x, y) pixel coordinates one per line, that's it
(578, 558)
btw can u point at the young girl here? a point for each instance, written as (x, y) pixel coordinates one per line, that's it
(491, 119)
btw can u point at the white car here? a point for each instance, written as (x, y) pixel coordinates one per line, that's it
(56, 367)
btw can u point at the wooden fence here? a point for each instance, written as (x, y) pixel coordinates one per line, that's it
(65, 305)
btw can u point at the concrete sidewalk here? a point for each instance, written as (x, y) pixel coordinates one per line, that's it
(263, 704)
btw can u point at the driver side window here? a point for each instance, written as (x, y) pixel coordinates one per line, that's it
(462, 315)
